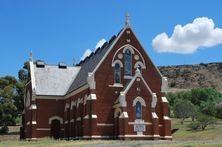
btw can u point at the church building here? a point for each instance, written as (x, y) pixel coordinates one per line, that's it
(115, 93)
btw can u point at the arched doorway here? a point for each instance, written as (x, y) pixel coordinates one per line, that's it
(55, 129)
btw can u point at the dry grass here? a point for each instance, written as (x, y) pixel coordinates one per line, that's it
(212, 136)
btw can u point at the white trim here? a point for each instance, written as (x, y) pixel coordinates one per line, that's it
(166, 118)
(31, 138)
(32, 73)
(50, 97)
(33, 107)
(130, 48)
(124, 115)
(154, 100)
(95, 136)
(80, 89)
(94, 116)
(73, 103)
(66, 107)
(167, 137)
(55, 117)
(43, 129)
(116, 85)
(139, 63)
(117, 61)
(78, 119)
(164, 86)
(117, 112)
(139, 135)
(147, 54)
(105, 125)
(164, 100)
(92, 97)
(86, 117)
(34, 122)
(160, 125)
(145, 123)
(122, 98)
(128, 77)
(85, 99)
(91, 80)
(66, 122)
(109, 50)
(79, 101)
(154, 115)
(139, 99)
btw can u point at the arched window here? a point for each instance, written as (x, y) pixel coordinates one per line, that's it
(117, 73)
(138, 110)
(128, 62)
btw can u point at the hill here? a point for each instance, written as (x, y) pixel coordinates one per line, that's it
(191, 76)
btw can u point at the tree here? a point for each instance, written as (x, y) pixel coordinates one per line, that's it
(183, 109)
(205, 120)
(7, 108)
(20, 88)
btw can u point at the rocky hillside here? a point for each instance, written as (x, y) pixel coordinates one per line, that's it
(191, 76)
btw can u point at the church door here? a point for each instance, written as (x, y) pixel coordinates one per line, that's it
(55, 129)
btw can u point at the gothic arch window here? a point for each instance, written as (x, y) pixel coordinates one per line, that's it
(138, 109)
(128, 62)
(117, 74)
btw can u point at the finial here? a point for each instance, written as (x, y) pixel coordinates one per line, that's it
(30, 56)
(74, 62)
(127, 19)
(138, 70)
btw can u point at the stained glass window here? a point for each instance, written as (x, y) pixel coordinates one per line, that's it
(138, 110)
(128, 62)
(117, 73)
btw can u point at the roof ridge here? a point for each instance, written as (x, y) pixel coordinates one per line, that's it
(90, 63)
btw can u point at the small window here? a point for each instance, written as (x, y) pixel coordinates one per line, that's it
(138, 110)
(128, 62)
(117, 73)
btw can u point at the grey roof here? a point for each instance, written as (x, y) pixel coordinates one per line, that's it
(89, 64)
(52, 80)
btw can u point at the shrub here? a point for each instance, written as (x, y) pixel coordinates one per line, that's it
(194, 125)
(4, 129)
(173, 84)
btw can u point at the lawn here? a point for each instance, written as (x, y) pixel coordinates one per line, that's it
(212, 132)
(212, 136)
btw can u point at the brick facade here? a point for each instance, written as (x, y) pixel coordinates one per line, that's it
(101, 108)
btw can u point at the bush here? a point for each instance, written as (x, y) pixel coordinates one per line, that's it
(194, 125)
(173, 84)
(4, 129)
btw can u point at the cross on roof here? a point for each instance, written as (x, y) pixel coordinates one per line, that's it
(127, 19)
(30, 56)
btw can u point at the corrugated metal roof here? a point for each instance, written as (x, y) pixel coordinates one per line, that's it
(52, 80)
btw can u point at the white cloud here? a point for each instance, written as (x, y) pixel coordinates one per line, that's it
(86, 54)
(100, 43)
(201, 33)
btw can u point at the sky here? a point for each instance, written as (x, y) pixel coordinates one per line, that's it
(173, 32)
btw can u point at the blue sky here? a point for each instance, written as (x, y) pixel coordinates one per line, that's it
(60, 30)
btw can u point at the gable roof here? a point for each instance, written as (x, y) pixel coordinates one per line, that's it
(90, 63)
(52, 80)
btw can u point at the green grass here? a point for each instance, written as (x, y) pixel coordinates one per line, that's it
(212, 132)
